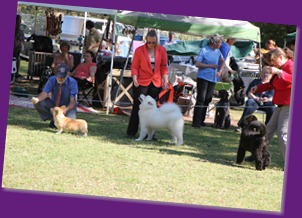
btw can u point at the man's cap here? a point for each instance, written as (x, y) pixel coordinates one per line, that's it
(62, 70)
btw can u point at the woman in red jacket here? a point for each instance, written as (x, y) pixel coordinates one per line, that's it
(149, 74)
(281, 82)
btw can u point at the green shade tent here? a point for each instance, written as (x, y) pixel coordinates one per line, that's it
(290, 36)
(192, 48)
(199, 26)
(186, 48)
(242, 49)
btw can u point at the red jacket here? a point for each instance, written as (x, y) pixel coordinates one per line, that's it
(281, 85)
(141, 66)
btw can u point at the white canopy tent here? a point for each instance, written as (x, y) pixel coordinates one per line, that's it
(85, 9)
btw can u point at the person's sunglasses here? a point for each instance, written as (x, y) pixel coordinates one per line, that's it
(151, 43)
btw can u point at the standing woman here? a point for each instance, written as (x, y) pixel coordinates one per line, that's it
(281, 83)
(149, 74)
(207, 63)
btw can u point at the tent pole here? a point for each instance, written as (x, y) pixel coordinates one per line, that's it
(260, 55)
(35, 25)
(111, 65)
(84, 35)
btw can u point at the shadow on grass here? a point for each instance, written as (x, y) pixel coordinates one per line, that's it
(206, 144)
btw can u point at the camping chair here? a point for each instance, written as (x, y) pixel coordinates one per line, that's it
(86, 90)
(40, 56)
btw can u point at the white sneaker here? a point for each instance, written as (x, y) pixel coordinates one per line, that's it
(238, 129)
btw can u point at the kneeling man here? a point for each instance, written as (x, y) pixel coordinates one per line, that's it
(59, 90)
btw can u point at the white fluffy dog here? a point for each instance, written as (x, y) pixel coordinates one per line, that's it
(168, 116)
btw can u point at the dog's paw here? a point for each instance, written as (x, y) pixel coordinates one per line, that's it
(179, 143)
(138, 139)
(59, 131)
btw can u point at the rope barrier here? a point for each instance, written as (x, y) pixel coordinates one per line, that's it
(121, 103)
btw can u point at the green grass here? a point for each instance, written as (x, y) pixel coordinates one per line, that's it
(106, 163)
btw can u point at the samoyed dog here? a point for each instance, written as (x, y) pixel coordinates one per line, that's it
(168, 116)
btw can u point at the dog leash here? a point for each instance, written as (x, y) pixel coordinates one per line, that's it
(163, 93)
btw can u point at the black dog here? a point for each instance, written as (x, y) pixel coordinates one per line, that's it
(222, 115)
(41, 43)
(238, 97)
(253, 139)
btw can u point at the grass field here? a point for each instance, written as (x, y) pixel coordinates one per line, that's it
(106, 163)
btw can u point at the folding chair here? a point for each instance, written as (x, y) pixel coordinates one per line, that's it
(98, 94)
(86, 89)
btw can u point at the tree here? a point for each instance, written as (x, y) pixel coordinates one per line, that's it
(276, 32)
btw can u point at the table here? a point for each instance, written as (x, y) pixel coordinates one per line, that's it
(121, 91)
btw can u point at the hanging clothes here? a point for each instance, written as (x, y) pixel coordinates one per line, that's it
(53, 22)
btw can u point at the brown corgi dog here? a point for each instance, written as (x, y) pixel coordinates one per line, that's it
(67, 124)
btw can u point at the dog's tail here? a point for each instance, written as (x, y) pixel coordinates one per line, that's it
(256, 128)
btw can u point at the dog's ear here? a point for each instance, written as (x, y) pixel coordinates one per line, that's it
(142, 96)
(63, 107)
(249, 119)
(253, 117)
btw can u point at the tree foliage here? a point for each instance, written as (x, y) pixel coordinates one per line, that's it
(276, 32)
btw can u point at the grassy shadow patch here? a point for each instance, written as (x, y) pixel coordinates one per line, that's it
(206, 144)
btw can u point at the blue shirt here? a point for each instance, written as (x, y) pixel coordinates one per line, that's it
(225, 49)
(208, 55)
(69, 89)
